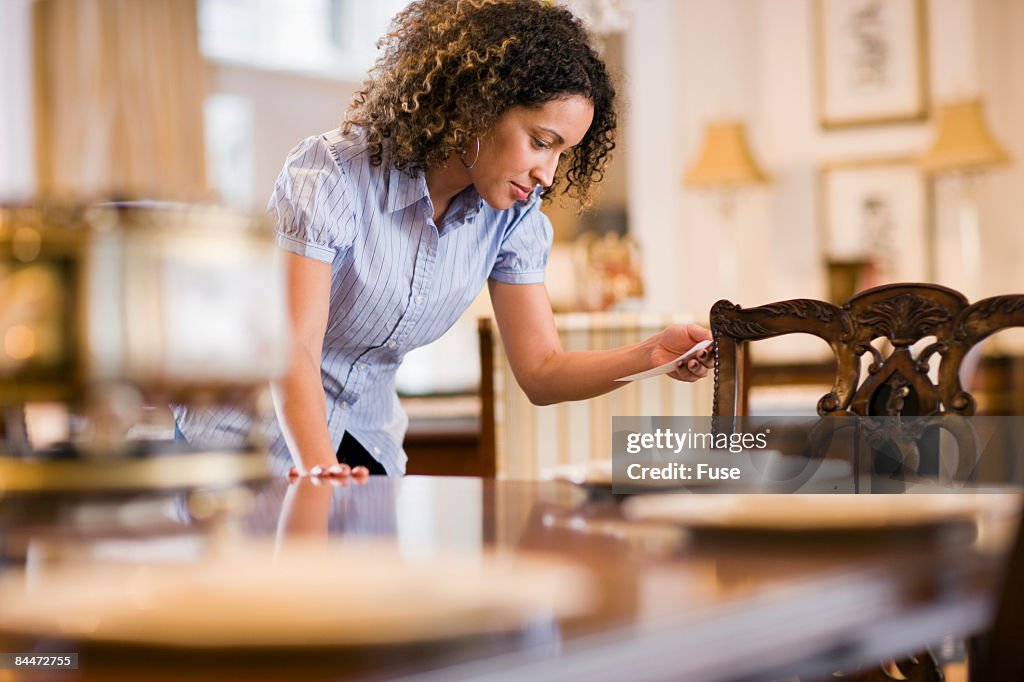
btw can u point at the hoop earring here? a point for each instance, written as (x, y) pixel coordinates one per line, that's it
(475, 159)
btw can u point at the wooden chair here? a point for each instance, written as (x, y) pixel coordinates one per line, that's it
(903, 314)
(522, 439)
(883, 325)
(898, 382)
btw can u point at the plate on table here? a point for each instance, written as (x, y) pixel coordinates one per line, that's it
(596, 478)
(596, 473)
(813, 512)
(303, 596)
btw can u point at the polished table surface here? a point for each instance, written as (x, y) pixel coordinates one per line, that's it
(670, 604)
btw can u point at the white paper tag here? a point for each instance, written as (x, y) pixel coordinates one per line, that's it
(668, 366)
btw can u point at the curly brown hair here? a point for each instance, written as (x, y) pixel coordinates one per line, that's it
(450, 68)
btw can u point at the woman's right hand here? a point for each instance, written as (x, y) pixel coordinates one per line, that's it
(335, 471)
(299, 400)
(676, 340)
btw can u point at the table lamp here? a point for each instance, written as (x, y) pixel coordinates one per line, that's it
(725, 164)
(964, 146)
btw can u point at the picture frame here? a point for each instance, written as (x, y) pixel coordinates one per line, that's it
(875, 223)
(871, 62)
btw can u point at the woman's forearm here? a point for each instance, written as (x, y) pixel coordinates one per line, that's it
(302, 412)
(578, 375)
(549, 374)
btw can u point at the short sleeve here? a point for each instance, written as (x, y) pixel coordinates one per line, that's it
(311, 203)
(523, 254)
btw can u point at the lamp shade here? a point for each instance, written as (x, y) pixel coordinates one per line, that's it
(963, 140)
(725, 158)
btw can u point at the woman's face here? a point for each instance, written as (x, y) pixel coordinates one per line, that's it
(522, 148)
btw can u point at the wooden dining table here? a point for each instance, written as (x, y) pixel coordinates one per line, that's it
(667, 602)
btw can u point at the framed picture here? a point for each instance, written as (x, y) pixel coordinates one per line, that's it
(875, 223)
(871, 59)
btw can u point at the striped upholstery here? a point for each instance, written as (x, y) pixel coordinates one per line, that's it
(528, 438)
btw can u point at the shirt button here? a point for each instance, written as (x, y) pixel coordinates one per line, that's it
(360, 367)
(344, 405)
(376, 451)
(392, 344)
(419, 300)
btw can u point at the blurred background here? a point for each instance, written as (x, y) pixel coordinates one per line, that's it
(769, 149)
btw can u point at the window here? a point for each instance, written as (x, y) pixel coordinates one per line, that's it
(228, 119)
(331, 38)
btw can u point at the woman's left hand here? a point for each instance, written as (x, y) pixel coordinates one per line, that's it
(676, 340)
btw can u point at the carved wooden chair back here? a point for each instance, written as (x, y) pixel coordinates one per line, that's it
(895, 384)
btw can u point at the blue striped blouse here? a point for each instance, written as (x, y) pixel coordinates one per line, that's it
(398, 281)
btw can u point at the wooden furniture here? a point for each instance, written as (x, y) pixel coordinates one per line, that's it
(523, 439)
(997, 383)
(446, 446)
(897, 332)
(669, 606)
(886, 326)
(897, 381)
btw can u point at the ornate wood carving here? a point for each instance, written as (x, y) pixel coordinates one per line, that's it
(904, 318)
(876, 356)
(902, 313)
(742, 329)
(802, 308)
(997, 305)
(990, 314)
(940, 347)
(746, 325)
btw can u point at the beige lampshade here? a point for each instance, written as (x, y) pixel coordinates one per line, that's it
(725, 158)
(963, 141)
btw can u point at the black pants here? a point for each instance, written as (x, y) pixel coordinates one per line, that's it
(351, 452)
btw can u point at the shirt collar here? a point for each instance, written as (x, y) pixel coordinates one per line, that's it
(404, 191)
(463, 210)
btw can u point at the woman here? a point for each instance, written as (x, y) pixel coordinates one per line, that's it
(430, 188)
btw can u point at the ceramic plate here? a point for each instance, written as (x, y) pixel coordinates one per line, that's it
(815, 512)
(303, 596)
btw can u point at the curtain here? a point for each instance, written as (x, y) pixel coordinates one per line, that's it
(119, 96)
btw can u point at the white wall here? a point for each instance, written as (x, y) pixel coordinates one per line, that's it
(691, 60)
(1000, 70)
(287, 108)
